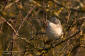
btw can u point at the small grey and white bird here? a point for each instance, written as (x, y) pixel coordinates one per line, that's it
(54, 28)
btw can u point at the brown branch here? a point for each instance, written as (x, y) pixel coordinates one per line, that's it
(82, 46)
(69, 37)
(25, 18)
(72, 9)
(10, 25)
(74, 49)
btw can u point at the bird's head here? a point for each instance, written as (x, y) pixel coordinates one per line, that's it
(54, 20)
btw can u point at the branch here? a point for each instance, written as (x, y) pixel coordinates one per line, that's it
(69, 37)
(82, 46)
(24, 19)
(9, 25)
(72, 9)
(81, 20)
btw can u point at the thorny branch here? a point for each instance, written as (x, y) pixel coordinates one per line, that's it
(69, 37)
(60, 42)
(47, 49)
(82, 46)
(24, 19)
(72, 9)
(10, 25)
(16, 31)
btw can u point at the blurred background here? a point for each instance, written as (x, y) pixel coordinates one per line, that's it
(22, 27)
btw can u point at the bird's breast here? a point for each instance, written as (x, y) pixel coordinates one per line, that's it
(55, 29)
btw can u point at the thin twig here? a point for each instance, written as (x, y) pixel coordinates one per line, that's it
(82, 46)
(69, 37)
(10, 25)
(47, 49)
(24, 19)
(72, 9)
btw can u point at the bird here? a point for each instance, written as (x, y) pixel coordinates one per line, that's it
(54, 29)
